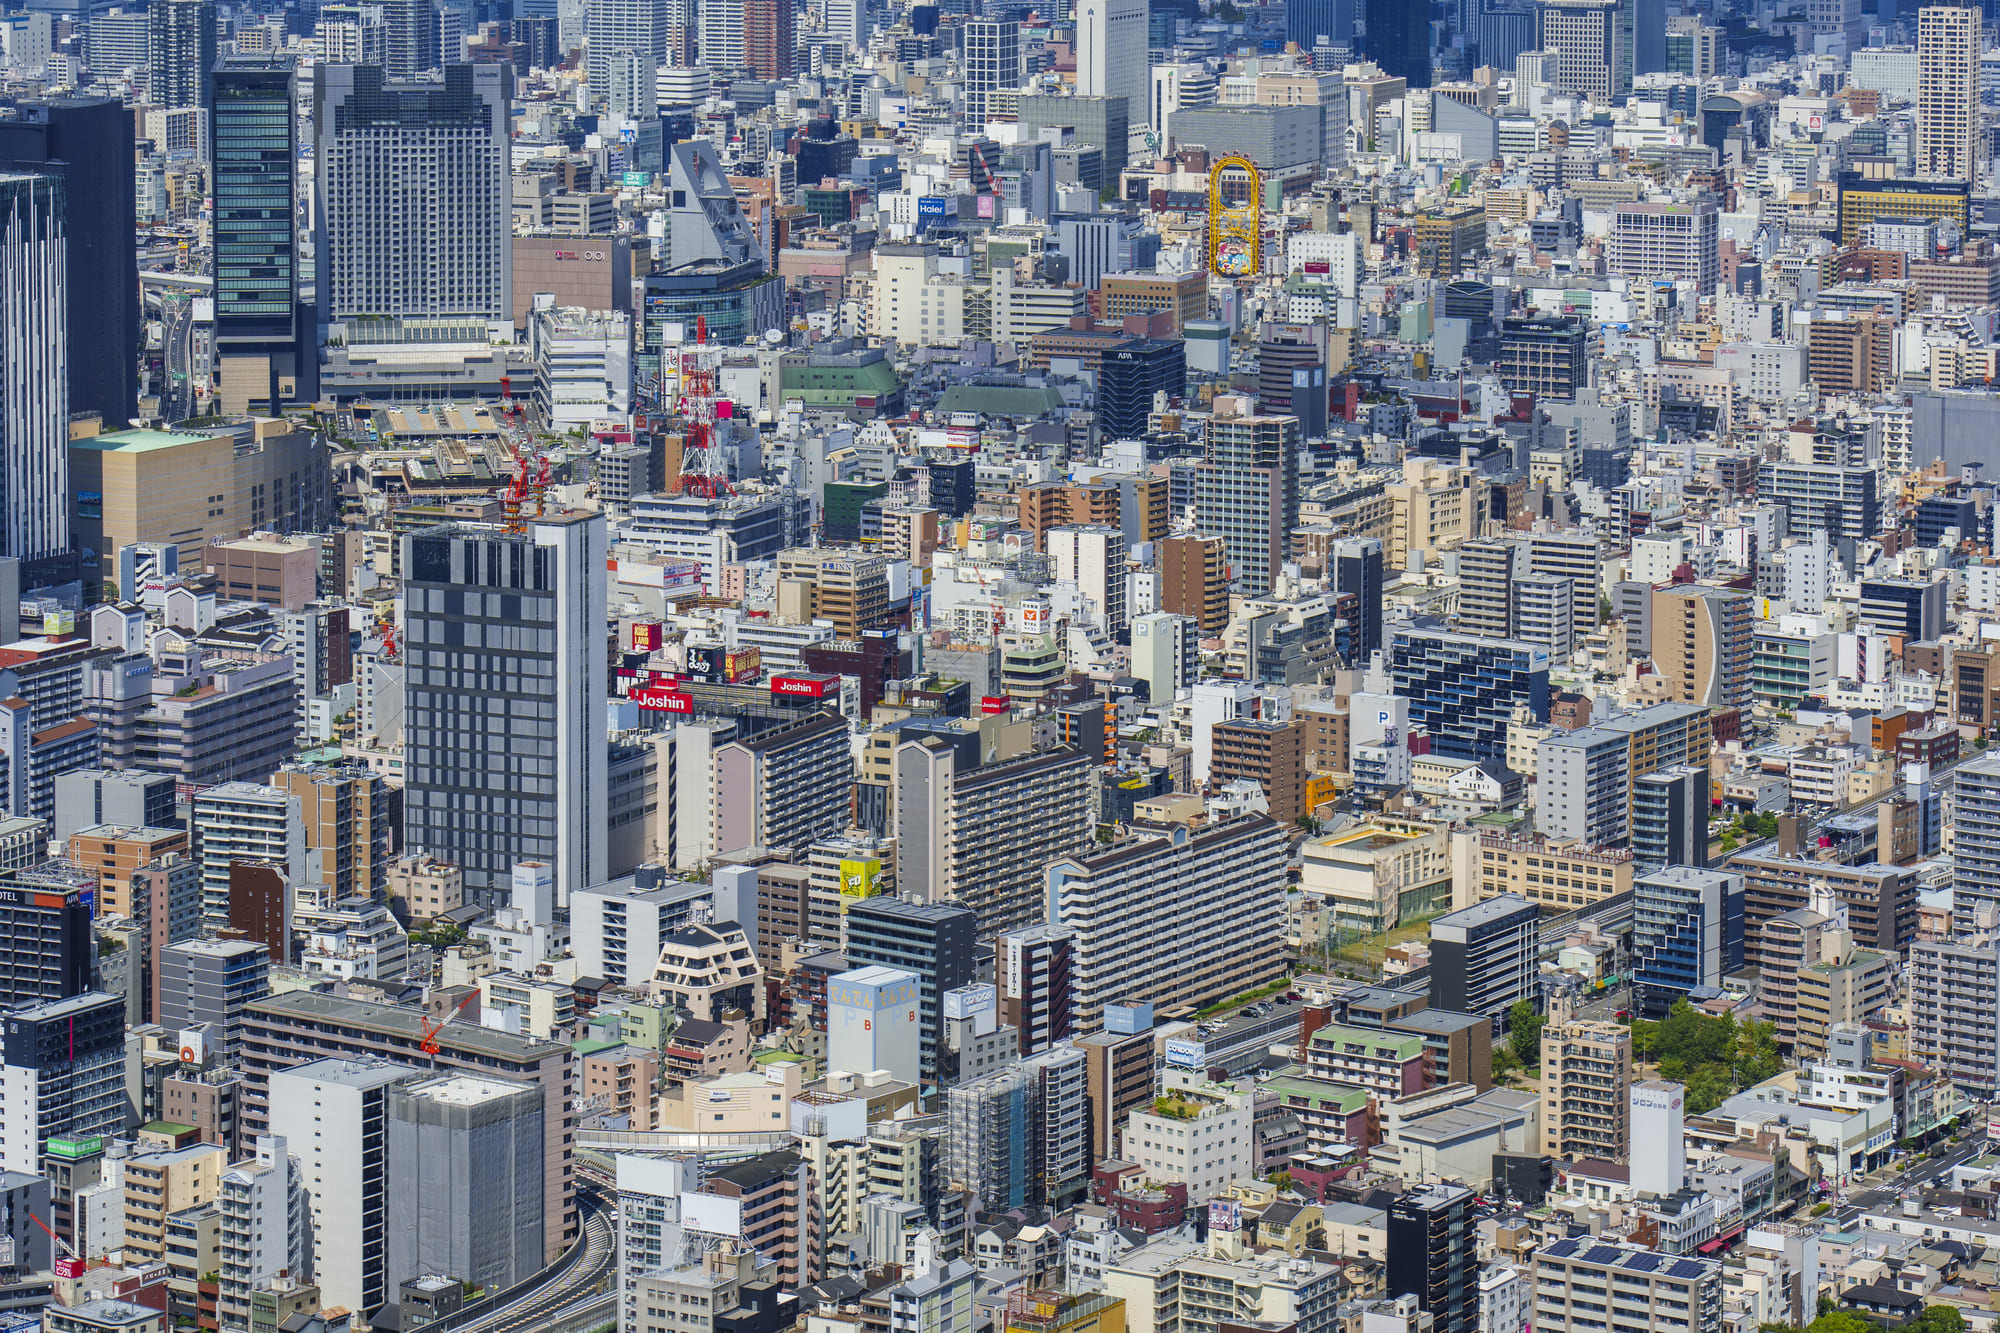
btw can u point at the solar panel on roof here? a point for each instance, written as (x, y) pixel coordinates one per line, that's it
(1646, 1262)
(1601, 1254)
(1685, 1268)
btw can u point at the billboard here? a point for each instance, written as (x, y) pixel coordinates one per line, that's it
(803, 687)
(1183, 1054)
(667, 701)
(931, 205)
(712, 1214)
(192, 1046)
(994, 703)
(743, 664)
(965, 1001)
(1225, 1215)
(860, 879)
(637, 180)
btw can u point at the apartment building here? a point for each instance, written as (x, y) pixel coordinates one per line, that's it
(1586, 1090)
(1196, 1133)
(1561, 875)
(1579, 1280)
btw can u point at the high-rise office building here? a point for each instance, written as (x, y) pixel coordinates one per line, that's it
(1111, 53)
(87, 142)
(1687, 933)
(1910, 609)
(1247, 490)
(1399, 39)
(1487, 957)
(620, 26)
(129, 799)
(180, 52)
(265, 357)
(1950, 138)
(1433, 1254)
(936, 942)
(848, 22)
(1586, 1090)
(1840, 501)
(722, 33)
(465, 1181)
(1662, 242)
(1589, 57)
(63, 1066)
(535, 673)
(1670, 811)
(432, 257)
(992, 64)
(1357, 570)
(1307, 21)
(34, 339)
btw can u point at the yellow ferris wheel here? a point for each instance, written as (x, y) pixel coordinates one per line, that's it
(1235, 227)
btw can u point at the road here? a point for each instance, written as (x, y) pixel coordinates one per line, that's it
(177, 357)
(1889, 1185)
(569, 1293)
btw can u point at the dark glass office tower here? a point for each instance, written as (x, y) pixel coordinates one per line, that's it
(1399, 39)
(87, 141)
(264, 350)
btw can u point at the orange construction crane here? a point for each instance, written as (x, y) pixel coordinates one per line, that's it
(429, 1045)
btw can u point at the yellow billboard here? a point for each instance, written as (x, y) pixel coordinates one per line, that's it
(860, 879)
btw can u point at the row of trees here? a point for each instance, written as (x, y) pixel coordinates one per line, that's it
(1934, 1319)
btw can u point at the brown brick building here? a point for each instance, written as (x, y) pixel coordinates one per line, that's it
(1271, 754)
(1194, 580)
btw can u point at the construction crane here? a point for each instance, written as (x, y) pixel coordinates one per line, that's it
(702, 472)
(429, 1045)
(76, 1261)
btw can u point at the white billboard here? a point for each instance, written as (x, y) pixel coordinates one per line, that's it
(712, 1215)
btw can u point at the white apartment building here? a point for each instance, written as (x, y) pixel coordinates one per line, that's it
(1196, 1133)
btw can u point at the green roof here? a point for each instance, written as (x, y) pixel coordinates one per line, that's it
(1382, 1045)
(173, 1127)
(593, 1046)
(1001, 400)
(1322, 1094)
(137, 441)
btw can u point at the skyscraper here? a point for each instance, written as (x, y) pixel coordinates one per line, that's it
(638, 26)
(1306, 21)
(180, 51)
(1687, 932)
(465, 1185)
(1247, 489)
(847, 22)
(503, 717)
(262, 358)
(1701, 644)
(1949, 136)
(87, 141)
(1584, 34)
(433, 254)
(34, 411)
(771, 38)
(412, 37)
(1433, 1254)
(1399, 39)
(64, 1069)
(992, 62)
(1111, 54)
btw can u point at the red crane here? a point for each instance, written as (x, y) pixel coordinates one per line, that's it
(429, 1045)
(702, 472)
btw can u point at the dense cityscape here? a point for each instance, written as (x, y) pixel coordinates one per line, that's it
(973, 666)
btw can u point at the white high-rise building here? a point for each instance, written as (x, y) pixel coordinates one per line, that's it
(992, 63)
(1111, 54)
(722, 35)
(34, 336)
(338, 1111)
(1092, 556)
(1659, 1159)
(1949, 134)
(436, 253)
(640, 26)
(246, 821)
(1164, 653)
(262, 1225)
(1583, 35)
(848, 21)
(503, 723)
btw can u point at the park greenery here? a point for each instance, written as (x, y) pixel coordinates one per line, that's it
(1712, 1055)
(1934, 1319)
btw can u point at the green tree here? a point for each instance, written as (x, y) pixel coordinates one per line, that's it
(1524, 1032)
(1707, 1088)
(1940, 1319)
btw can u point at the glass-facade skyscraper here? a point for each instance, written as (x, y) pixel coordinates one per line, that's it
(258, 330)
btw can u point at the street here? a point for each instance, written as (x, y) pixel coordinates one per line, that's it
(1889, 1184)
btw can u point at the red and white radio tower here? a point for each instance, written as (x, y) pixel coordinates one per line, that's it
(701, 465)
